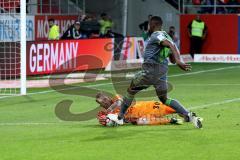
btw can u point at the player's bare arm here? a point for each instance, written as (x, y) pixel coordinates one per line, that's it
(176, 55)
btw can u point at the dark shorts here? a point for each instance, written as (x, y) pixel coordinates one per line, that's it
(152, 74)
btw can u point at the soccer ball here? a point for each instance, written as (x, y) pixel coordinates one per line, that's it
(110, 123)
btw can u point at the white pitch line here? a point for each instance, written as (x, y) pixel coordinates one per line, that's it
(103, 84)
(215, 103)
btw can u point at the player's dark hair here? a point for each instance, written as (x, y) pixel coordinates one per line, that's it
(51, 20)
(103, 14)
(157, 20)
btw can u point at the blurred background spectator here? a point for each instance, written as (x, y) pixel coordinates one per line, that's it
(196, 2)
(144, 27)
(207, 9)
(90, 25)
(74, 32)
(233, 9)
(106, 25)
(197, 31)
(172, 33)
(54, 32)
(222, 6)
(221, 10)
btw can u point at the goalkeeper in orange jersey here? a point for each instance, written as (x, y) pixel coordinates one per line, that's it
(140, 113)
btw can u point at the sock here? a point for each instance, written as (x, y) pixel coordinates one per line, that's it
(127, 101)
(178, 107)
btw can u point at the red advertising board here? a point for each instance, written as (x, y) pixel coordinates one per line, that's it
(42, 27)
(67, 56)
(222, 37)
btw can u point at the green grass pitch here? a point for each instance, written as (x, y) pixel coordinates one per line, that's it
(29, 129)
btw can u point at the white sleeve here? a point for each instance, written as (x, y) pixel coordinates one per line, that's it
(161, 37)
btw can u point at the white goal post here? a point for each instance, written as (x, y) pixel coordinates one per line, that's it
(23, 46)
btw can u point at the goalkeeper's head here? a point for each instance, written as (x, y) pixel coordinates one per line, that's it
(104, 100)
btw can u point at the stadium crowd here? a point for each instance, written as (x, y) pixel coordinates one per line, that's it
(219, 10)
(87, 26)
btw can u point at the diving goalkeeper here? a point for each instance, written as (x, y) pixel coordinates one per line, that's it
(140, 113)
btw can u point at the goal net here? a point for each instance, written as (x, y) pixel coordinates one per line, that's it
(12, 47)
